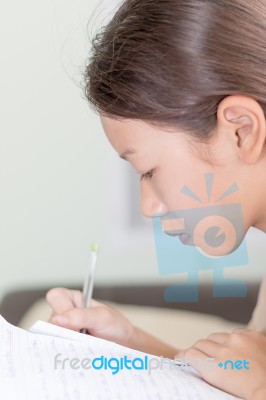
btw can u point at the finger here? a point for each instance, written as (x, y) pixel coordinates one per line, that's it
(62, 299)
(243, 331)
(95, 303)
(93, 318)
(190, 353)
(61, 304)
(208, 347)
(196, 359)
(218, 337)
(183, 353)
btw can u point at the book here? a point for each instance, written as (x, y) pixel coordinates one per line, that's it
(53, 363)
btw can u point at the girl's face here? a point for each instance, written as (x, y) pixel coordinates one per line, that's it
(172, 170)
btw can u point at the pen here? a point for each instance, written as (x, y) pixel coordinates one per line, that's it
(89, 280)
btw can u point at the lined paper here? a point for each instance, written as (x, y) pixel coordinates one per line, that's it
(27, 370)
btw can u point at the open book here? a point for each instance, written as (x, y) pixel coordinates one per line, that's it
(54, 363)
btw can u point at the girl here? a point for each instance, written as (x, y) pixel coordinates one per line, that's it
(180, 87)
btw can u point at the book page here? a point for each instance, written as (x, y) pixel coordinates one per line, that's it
(57, 365)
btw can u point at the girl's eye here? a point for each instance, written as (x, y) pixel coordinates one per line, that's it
(148, 175)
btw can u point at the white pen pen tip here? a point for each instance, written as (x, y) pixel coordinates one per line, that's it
(94, 247)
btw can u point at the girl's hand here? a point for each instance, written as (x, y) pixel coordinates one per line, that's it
(101, 320)
(242, 344)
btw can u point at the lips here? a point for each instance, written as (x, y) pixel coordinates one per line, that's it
(183, 237)
(172, 233)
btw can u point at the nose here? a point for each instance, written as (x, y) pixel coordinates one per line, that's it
(151, 205)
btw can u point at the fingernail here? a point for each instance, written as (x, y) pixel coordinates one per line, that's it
(61, 320)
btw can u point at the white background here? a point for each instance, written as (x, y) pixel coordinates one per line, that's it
(62, 186)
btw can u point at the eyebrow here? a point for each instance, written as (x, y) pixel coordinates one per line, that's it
(126, 153)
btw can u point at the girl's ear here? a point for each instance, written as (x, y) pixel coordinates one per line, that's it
(242, 119)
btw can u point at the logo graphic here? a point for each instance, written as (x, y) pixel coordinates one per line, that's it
(238, 364)
(203, 238)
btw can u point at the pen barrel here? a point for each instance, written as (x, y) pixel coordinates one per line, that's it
(89, 281)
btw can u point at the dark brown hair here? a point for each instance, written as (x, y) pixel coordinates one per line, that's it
(171, 62)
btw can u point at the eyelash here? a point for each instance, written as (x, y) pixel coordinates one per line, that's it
(148, 175)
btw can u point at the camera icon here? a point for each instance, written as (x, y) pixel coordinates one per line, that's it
(204, 238)
(215, 230)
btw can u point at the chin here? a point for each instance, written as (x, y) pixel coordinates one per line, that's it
(221, 251)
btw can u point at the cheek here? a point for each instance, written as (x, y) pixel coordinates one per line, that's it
(168, 190)
(181, 188)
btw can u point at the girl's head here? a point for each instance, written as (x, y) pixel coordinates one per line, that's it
(180, 86)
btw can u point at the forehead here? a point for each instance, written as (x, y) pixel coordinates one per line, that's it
(120, 130)
(135, 134)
